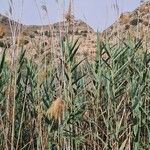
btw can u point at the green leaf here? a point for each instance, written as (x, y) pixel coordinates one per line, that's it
(2, 61)
(122, 147)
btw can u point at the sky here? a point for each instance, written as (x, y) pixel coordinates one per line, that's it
(99, 14)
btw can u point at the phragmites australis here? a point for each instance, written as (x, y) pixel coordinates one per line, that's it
(55, 110)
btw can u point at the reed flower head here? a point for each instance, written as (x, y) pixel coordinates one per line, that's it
(56, 109)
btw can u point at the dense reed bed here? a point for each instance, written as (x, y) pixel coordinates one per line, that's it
(78, 105)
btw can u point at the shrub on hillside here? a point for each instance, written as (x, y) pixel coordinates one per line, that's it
(2, 31)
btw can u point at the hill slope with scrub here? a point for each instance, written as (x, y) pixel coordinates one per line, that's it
(45, 40)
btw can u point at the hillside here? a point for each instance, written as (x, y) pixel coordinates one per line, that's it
(135, 25)
(44, 40)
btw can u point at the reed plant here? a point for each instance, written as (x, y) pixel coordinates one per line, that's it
(98, 104)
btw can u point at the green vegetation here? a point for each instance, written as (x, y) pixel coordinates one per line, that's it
(77, 105)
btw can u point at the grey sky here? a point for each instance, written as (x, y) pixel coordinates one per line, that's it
(99, 14)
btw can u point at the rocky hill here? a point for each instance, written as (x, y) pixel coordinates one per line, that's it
(45, 40)
(40, 41)
(134, 25)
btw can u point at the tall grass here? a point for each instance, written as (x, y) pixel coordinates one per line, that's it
(99, 104)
